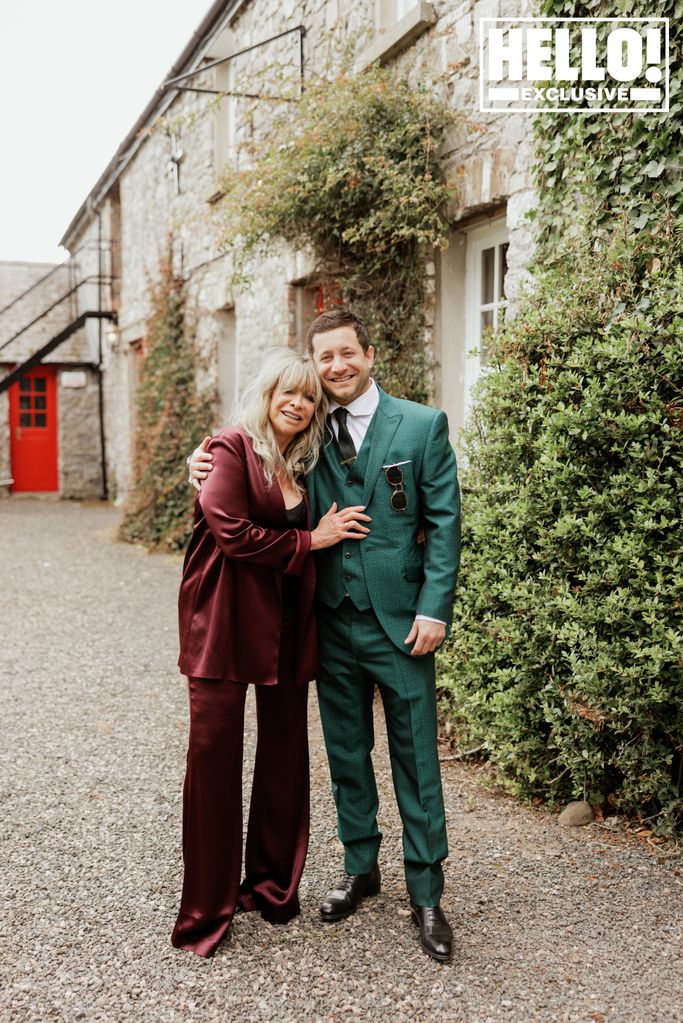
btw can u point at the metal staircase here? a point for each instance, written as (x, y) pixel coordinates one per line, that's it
(53, 343)
(69, 296)
(99, 282)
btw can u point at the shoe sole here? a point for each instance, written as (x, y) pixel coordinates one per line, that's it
(432, 955)
(342, 916)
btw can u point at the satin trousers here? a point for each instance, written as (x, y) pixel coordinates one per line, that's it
(277, 832)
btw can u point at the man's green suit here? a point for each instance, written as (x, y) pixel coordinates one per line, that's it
(369, 592)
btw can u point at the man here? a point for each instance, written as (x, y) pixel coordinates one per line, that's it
(383, 607)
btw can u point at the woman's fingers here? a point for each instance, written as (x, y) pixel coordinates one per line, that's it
(354, 529)
(356, 511)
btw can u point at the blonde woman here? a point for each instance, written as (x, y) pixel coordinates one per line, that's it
(246, 616)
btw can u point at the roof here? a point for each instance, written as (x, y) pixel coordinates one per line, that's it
(218, 14)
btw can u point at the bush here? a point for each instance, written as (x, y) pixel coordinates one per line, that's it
(351, 174)
(567, 653)
(170, 415)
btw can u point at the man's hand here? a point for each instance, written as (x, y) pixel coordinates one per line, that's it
(426, 637)
(200, 464)
(334, 526)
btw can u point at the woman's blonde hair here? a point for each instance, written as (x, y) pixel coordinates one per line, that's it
(287, 371)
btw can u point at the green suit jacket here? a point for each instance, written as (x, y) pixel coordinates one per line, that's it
(403, 577)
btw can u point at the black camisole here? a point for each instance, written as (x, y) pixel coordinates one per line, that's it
(296, 519)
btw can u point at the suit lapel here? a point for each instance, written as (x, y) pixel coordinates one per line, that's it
(310, 481)
(385, 427)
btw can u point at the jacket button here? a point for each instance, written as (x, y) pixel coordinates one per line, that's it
(347, 578)
(349, 483)
(347, 555)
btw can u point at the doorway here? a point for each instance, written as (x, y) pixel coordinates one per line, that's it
(33, 430)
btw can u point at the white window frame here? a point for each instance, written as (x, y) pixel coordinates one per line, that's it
(491, 235)
(226, 150)
(233, 151)
(398, 24)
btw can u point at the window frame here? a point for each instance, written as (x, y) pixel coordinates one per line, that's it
(493, 234)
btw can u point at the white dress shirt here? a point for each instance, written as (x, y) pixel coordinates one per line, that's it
(360, 413)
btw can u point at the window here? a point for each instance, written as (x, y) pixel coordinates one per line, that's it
(225, 120)
(226, 362)
(492, 270)
(33, 402)
(233, 123)
(470, 301)
(305, 303)
(485, 270)
(398, 24)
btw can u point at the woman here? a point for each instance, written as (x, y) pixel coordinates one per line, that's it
(246, 615)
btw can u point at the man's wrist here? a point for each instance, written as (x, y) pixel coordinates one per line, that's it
(426, 618)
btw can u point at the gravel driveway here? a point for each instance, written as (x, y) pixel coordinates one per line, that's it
(551, 924)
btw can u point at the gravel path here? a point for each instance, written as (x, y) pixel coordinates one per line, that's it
(550, 924)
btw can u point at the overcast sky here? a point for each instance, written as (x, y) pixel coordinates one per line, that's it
(74, 76)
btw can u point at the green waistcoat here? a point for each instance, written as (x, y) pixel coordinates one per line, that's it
(340, 568)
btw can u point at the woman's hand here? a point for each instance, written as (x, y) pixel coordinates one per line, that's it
(200, 464)
(343, 525)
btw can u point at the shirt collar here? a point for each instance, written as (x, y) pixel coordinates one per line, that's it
(364, 405)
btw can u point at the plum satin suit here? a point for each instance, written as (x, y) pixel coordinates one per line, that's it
(246, 614)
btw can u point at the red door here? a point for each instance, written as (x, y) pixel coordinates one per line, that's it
(33, 430)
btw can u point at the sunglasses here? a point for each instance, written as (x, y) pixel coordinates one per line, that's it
(394, 477)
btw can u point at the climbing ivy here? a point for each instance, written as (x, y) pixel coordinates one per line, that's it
(170, 414)
(351, 173)
(589, 165)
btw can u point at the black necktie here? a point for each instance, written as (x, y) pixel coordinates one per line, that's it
(344, 439)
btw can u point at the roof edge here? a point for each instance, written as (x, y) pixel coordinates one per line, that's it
(220, 10)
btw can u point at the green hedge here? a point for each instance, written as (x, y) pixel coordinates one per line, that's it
(566, 656)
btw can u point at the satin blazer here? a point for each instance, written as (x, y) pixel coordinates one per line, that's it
(230, 601)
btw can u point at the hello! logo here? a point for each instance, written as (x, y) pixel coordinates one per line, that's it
(572, 65)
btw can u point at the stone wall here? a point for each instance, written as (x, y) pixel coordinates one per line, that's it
(50, 284)
(80, 472)
(26, 291)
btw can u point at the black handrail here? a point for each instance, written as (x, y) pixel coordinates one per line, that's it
(86, 280)
(53, 343)
(64, 265)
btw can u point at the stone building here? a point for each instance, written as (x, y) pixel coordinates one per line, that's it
(164, 178)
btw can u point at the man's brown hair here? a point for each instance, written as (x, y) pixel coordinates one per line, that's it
(338, 318)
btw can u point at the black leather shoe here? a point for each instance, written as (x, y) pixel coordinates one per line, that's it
(436, 936)
(343, 900)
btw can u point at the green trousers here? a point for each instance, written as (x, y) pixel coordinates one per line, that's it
(356, 654)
